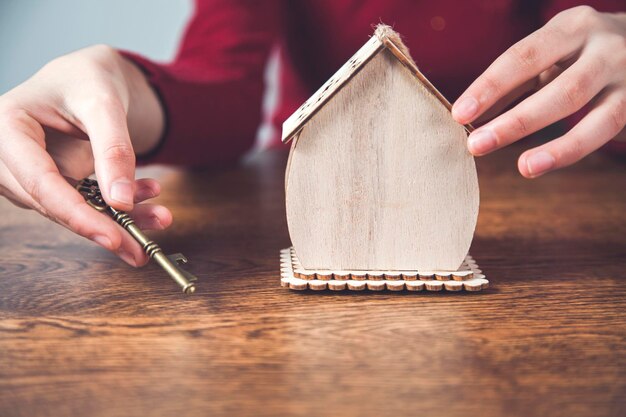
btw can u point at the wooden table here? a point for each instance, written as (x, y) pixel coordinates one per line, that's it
(82, 334)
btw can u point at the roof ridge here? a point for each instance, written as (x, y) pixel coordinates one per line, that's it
(384, 38)
(386, 33)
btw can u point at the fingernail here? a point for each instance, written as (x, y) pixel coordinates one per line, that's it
(539, 163)
(103, 241)
(127, 257)
(465, 109)
(156, 221)
(481, 142)
(122, 191)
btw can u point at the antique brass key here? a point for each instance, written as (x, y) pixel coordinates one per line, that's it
(170, 263)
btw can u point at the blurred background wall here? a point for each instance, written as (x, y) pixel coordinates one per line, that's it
(32, 32)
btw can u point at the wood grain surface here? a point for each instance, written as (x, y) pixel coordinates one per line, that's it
(81, 334)
(381, 178)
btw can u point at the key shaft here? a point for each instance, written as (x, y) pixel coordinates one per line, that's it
(153, 250)
(91, 192)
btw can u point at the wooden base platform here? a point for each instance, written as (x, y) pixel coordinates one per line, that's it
(468, 277)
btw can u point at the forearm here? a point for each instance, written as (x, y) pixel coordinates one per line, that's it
(211, 93)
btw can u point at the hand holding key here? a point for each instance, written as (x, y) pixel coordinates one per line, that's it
(91, 192)
(87, 111)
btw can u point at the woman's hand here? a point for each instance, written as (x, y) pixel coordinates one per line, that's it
(70, 118)
(577, 58)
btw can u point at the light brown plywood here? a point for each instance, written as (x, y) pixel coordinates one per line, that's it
(378, 280)
(380, 178)
(301, 116)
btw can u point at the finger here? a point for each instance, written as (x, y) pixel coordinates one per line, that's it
(533, 85)
(567, 94)
(72, 156)
(74, 159)
(6, 193)
(11, 189)
(520, 63)
(16, 202)
(105, 123)
(147, 217)
(129, 250)
(145, 189)
(605, 120)
(151, 216)
(506, 101)
(51, 194)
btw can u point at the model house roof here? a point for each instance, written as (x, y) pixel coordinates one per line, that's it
(384, 38)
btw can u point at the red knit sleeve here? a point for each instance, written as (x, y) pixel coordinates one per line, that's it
(212, 91)
(551, 8)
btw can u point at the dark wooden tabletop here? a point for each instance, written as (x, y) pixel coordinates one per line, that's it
(83, 334)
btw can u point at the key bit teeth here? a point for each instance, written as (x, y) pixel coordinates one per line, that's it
(178, 258)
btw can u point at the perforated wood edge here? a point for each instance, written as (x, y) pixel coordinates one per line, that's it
(384, 38)
(468, 278)
(303, 114)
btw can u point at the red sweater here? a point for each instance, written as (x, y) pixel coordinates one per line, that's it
(212, 91)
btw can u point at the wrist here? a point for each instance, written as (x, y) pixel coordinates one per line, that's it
(146, 117)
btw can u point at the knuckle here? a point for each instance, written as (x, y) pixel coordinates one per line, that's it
(583, 16)
(570, 21)
(104, 58)
(575, 94)
(56, 63)
(119, 152)
(18, 118)
(101, 49)
(102, 54)
(525, 55)
(519, 124)
(103, 99)
(491, 86)
(557, 28)
(34, 186)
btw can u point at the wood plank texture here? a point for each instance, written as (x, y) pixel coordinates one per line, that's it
(83, 335)
(380, 178)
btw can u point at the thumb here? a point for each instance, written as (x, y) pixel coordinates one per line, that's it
(106, 125)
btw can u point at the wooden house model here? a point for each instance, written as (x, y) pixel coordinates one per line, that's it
(380, 186)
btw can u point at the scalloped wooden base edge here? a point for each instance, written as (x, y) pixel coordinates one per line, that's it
(467, 278)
